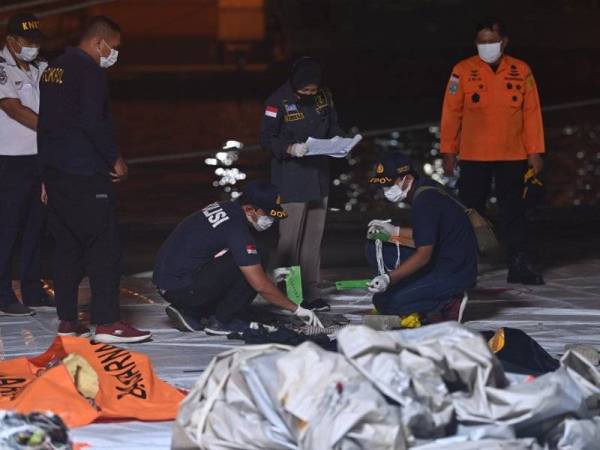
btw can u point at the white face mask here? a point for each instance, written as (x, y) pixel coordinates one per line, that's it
(111, 59)
(28, 54)
(395, 193)
(490, 53)
(263, 223)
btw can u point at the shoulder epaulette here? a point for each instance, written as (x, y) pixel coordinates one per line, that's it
(38, 61)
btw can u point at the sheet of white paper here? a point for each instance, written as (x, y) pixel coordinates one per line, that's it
(337, 147)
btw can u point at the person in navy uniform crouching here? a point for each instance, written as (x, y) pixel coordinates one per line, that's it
(430, 279)
(209, 269)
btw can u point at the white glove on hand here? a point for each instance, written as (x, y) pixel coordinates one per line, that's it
(379, 284)
(308, 317)
(299, 150)
(377, 226)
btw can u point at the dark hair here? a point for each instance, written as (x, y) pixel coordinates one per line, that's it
(99, 26)
(491, 23)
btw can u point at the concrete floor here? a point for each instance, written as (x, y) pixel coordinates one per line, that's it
(565, 310)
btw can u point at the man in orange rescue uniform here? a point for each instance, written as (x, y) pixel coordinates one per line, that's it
(491, 118)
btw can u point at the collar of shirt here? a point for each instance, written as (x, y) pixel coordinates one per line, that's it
(8, 57)
(504, 64)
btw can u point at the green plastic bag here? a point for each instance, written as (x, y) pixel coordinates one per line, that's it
(293, 285)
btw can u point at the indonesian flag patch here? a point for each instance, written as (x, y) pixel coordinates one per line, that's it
(271, 111)
(251, 249)
(453, 84)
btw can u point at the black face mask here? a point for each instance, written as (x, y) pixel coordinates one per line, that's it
(306, 99)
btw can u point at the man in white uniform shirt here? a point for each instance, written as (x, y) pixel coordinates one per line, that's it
(21, 208)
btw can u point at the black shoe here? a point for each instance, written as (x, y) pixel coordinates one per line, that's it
(43, 300)
(519, 272)
(318, 305)
(15, 309)
(183, 322)
(217, 328)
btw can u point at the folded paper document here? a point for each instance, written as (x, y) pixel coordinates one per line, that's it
(336, 147)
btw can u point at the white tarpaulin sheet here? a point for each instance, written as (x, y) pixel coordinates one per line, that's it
(430, 388)
(566, 310)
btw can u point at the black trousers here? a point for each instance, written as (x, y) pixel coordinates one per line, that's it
(21, 214)
(474, 187)
(82, 218)
(219, 289)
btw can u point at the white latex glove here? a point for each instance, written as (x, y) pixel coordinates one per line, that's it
(376, 226)
(379, 284)
(299, 150)
(308, 317)
(280, 274)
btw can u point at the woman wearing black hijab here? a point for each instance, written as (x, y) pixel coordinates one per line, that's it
(300, 109)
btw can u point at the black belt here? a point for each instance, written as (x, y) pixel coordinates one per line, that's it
(18, 157)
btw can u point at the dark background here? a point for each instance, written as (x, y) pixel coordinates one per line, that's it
(193, 74)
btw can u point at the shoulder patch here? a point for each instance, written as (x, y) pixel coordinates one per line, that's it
(329, 95)
(53, 75)
(3, 76)
(453, 84)
(271, 111)
(323, 99)
(39, 61)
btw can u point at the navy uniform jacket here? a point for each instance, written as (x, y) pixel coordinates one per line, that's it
(198, 239)
(286, 121)
(75, 131)
(439, 221)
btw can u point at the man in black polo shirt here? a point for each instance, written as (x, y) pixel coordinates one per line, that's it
(210, 268)
(77, 146)
(432, 278)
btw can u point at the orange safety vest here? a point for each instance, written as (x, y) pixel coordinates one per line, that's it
(128, 387)
(492, 116)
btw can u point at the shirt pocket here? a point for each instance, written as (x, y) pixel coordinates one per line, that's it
(28, 96)
(476, 95)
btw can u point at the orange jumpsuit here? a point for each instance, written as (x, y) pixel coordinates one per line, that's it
(492, 116)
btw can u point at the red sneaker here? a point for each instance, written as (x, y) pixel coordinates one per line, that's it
(452, 311)
(68, 328)
(455, 309)
(120, 332)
